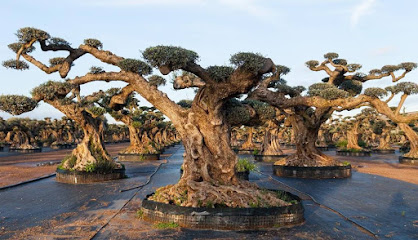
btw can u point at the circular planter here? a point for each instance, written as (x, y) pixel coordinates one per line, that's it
(269, 158)
(243, 175)
(223, 218)
(312, 172)
(407, 160)
(384, 151)
(25, 150)
(138, 157)
(244, 152)
(77, 177)
(354, 154)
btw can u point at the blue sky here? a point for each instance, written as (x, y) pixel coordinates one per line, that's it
(370, 32)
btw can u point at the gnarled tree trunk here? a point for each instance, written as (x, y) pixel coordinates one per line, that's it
(209, 163)
(413, 139)
(90, 154)
(139, 142)
(305, 135)
(384, 141)
(249, 144)
(271, 143)
(352, 137)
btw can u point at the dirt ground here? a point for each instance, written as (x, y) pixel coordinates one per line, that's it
(20, 168)
(396, 171)
(15, 169)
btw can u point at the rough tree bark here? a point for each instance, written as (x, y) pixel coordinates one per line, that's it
(306, 134)
(90, 154)
(209, 163)
(271, 142)
(384, 140)
(138, 143)
(352, 137)
(413, 139)
(249, 143)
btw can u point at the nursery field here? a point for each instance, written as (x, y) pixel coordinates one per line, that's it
(365, 206)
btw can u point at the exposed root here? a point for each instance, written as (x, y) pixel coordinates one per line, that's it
(311, 159)
(205, 194)
(142, 149)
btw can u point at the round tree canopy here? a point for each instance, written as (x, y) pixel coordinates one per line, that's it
(169, 56)
(375, 92)
(17, 104)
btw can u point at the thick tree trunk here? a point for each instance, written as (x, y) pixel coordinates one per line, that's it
(249, 144)
(352, 137)
(139, 144)
(413, 139)
(21, 140)
(321, 141)
(90, 154)
(209, 164)
(384, 141)
(271, 143)
(307, 155)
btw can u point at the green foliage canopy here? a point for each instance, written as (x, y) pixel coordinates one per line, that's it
(17, 104)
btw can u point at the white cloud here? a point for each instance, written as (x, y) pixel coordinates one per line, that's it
(362, 9)
(252, 7)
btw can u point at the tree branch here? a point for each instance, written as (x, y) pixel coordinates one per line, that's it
(104, 56)
(141, 86)
(40, 65)
(401, 102)
(121, 98)
(392, 95)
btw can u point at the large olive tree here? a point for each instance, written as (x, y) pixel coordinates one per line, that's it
(209, 162)
(308, 112)
(374, 97)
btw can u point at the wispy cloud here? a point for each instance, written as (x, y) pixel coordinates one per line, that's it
(382, 50)
(362, 9)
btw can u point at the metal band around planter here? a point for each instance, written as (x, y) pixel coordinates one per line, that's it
(312, 172)
(269, 158)
(407, 160)
(138, 157)
(78, 177)
(224, 218)
(354, 154)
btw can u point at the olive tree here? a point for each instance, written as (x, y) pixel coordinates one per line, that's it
(307, 112)
(209, 163)
(19, 134)
(375, 97)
